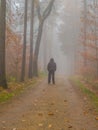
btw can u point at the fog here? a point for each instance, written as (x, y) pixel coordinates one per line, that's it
(61, 36)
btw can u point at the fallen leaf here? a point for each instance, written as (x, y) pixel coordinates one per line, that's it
(36, 100)
(35, 104)
(50, 113)
(56, 111)
(85, 98)
(66, 120)
(3, 122)
(40, 125)
(14, 129)
(23, 120)
(4, 127)
(85, 113)
(50, 126)
(65, 100)
(70, 126)
(40, 114)
(52, 103)
(96, 118)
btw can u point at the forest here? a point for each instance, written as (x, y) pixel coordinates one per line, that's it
(19, 55)
(34, 32)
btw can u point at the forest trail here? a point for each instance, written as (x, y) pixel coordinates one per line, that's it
(49, 107)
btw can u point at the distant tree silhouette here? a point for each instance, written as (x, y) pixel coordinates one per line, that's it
(3, 81)
(31, 41)
(42, 18)
(24, 42)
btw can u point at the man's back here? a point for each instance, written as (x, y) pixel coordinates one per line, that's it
(51, 66)
(51, 69)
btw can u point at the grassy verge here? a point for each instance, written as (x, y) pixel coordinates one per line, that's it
(92, 96)
(16, 88)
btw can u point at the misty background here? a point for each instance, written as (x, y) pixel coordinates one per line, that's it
(61, 36)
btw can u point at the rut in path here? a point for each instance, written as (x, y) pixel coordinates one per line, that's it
(44, 107)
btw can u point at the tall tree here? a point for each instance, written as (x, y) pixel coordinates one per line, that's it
(42, 18)
(31, 41)
(24, 42)
(3, 81)
(85, 31)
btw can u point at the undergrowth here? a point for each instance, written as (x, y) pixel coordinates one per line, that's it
(92, 96)
(15, 88)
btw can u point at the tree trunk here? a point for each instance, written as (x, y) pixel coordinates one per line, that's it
(45, 49)
(3, 81)
(24, 43)
(37, 46)
(35, 67)
(95, 33)
(42, 18)
(31, 41)
(85, 31)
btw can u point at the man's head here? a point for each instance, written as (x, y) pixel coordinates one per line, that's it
(51, 60)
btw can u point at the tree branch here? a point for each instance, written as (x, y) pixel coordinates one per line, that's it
(48, 10)
(38, 9)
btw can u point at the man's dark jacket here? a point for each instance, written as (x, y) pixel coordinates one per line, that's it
(51, 66)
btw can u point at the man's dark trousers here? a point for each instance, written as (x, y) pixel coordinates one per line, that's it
(51, 76)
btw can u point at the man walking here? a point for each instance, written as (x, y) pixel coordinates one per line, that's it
(51, 67)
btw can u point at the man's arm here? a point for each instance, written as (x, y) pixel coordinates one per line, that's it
(55, 67)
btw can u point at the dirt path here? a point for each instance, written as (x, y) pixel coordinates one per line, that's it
(55, 107)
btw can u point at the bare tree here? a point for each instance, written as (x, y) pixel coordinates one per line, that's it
(85, 31)
(24, 42)
(31, 41)
(3, 81)
(41, 18)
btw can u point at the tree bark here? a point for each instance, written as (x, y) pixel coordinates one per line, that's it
(31, 41)
(95, 33)
(42, 18)
(3, 81)
(45, 49)
(36, 53)
(85, 31)
(24, 43)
